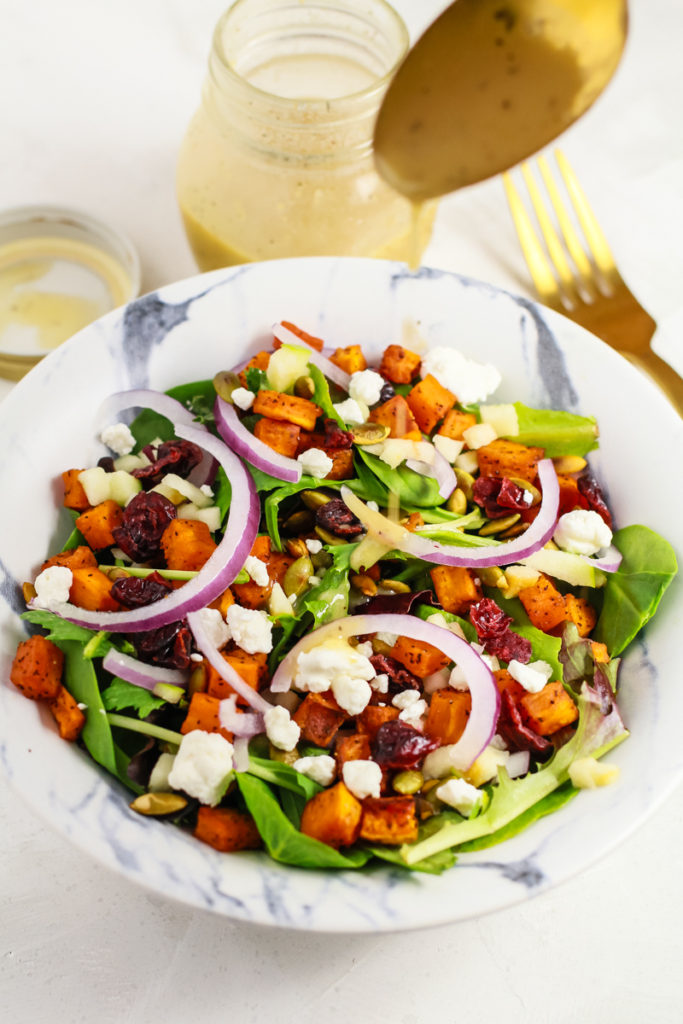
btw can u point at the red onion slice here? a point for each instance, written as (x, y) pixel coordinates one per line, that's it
(240, 754)
(481, 724)
(248, 447)
(224, 669)
(335, 373)
(395, 536)
(139, 672)
(217, 573)
(239, 723)
(440, 469)
(609, 562)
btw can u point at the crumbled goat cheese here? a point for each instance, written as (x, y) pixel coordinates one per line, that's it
(320, 668)
(380, 684)
(582, 532)
(405, 698)
(461, 795)
(365, 649)
(250, 629)
(469, 380)
(258, 570)
(353, 695)
(533, 677)
(118, 439)
(321, 768)
(366, 386)
(313, 581)
(215, 625)
(362, 778)
(201, 766)
(282, 732)
(314, 546)
(412, 710)
(243, 398)
(53, 586)
(352, 411)
(315, 462)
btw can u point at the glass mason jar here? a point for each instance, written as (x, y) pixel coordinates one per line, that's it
(278, 159)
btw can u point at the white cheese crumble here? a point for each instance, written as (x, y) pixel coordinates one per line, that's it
(352, 694)
(412, 708)
(118, 438)
(314, 546)
(250, 629)
(52, 586)
(365, 649)
(362, 778)
(533, 677)
(380, 684)
(315, 462)
(582, 532)
(352, 411)
(405, 698)
(201, 766)
(469, 380)
(322, 667)
(243, 398)
(215, 625)
(321, 768)
(257, 570)
(282, 732)
(366, 386)
(459, 794)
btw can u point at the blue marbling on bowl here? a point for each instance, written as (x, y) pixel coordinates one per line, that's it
(188, 331)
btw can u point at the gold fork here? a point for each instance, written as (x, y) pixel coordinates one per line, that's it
(585, 286)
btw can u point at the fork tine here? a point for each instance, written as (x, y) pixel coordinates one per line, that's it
(569, 234)
(597, 243)
(555, 250)
(536, 260)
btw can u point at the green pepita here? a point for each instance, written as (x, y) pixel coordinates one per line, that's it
(496, 526)
(158, 804)
(408, 782)
(457, 503)
(315, 499)
(304, 387)
(370, 433)
(297, 575)
(465, 482)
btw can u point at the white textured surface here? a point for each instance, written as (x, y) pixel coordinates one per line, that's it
(99, 99)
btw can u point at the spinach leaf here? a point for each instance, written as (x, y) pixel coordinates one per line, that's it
(271, 505)
(263, 481)
(329, 599)
(292, 806)
(222, 492)
(321, 395)
(434, 865)
(283, 775)
(560, 433)
(93, 645)
(75, 538)
(367, 486)
(149, 425)
(410, 486)
(256, 379)
(121, 694)
(634, 591)
(548, 805)
(286, 629)
(81, 682)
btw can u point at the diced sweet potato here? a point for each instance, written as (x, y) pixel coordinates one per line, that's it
(342, 464)
(349, 359)
(429, 402)
(187, 544)
(355, 747)
(67, 714)
(97, 524)
(455, 423)
(399, 365)
(418, 657)
(91, 589)
(600, 652)
(37, 668)
(457, 588)
(310, 339)
(223, 602)
(282, 437)
(251, 594)
(74, 494)
(570, 495)
(389, 819)
(258, 362)
(252, 668)
(414, 520)
(76, 558)
(319, 717)
(374, 716)
(227, 829)
(544, 604)
(581, 613)
(333, 816)
(448, 713)
(509, 458)
(548, 710)
(504, 681)
(278, 564)
(278, 406)
(203, 714)
(396, 415)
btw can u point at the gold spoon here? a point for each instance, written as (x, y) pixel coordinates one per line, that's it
(489, 83)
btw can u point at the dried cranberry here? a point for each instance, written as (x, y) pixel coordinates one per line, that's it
(388, 391)
(399, 676)
(399, 746)
(517, 735)
(509, 646)
(135, 593)
(170, 457)
(488, 619)
(169, 645)
(144, 520)
(106, 463)
(590, 489)
(335, 517)
(499, 496)
(336, 439)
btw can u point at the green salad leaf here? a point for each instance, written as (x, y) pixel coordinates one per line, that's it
(411, 487)
(321, 395)
(558, 432)
(121, 694)
(61, 631)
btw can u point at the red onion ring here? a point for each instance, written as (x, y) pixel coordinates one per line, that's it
(395, 536)
(481, 724)
(139, 672)
(609, 562)
(224, 669)
(215, 575)
(335, 373)
(248, 447)
(440, 469)
(239, 723)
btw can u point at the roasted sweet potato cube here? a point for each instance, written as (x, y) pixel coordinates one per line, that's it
(223, 602)
(97, 524)
(37, 668)
(227, 829)
(581, 613)
(418, 657)
(355, 747)
(76, 558)
(448, 713)
(258, 362)
(548, 710)
(250, 594)
(429, 402)
(457, 588)
(74, 494)
(455, 423)
(278, 564)
(414, 520)
(504, 681)
(544, 604)
(389, 819)
(373, 717)
(509, 458)
(319, 717)
(342, 463)
(278, 406)
(600, 652)
(570, 495)
(252, 668)
(203, 714)
(396, 415)
(349, 359)
(310, 339)
(67, 714)
(399, 365)
(282, 437)
(91, 589)
(187, 544)
(333, 816)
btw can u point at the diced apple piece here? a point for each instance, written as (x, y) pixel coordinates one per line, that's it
(286, 365)
(479, 435)
(95, 482)
(562, 565)
(123, 486)
(503, 419)
(588, 773)
(211, 515)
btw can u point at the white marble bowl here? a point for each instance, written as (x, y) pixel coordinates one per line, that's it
(189, 330)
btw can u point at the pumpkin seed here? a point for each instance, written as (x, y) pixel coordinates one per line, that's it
(225, 382)
(322, 560)
(569, 463)
(370, 433)
(379, 647)
(315, 499)
(498, 525)
(299, 522)
(198, 679)
(515, 531)
(408, 782)
(457, 502)
(117, 573)
(296, 547)
(158, 804)
(304, 387)
(526, 486)
(283, 756)
(395, 586)
(329, 538)
(465, 482)
(364, 583)
(29, 592)
(296, 577)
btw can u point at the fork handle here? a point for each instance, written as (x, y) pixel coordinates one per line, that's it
(664, 375)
